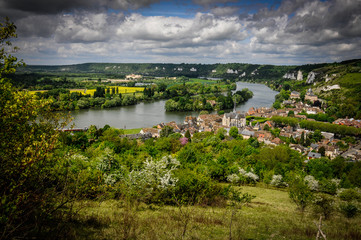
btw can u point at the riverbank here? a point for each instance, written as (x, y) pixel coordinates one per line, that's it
(151, 113)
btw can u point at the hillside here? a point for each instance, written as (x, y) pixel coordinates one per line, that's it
(229, 70)
(338, 85)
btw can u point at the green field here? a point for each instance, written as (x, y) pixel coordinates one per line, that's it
(122, 90)
(271, 215)
(132, 131)
(204, 81)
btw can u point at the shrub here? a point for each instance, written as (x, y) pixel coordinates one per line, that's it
(350, 195)
(153, 181)
(329, 186)
(248, 177)
(196, 188)
(300, 193)
(311, 182)
(277, 181)
(324, 205)
(349, 209)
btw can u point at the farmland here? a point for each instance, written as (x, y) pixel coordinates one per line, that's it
(122, 90)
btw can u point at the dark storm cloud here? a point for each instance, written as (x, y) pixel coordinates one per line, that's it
(308, 30)
(37, 25)
(57, 6)
(308, 22)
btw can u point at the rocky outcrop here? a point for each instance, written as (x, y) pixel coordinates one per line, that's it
(311, 77)
(299, 75)
(329, 88)
(289, 76)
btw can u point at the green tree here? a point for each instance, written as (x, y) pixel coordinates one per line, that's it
(28, 137)
(166, 131)
(188, 135)
(233, 132)
(300, 193)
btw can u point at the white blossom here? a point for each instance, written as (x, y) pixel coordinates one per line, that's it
(277, 181)
(249, 175)
(233, 178)
(311, 182)
(155, 174)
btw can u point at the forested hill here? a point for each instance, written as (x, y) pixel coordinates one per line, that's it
(229, 70)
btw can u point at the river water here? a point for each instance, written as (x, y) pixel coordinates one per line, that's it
(150, 114)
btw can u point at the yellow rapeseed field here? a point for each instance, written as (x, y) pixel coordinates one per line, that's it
(121, 90)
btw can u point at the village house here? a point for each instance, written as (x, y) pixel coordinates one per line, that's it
(287, 102)
(160, 125)
(331, 151)
(276, 141)
(298, 147)
(209, 122)
(263, 136)
(251, 111)
(246, 134)
(310, 96)
(190, 121)
(348, 122)
(173, 125)
(328, 136)
(353, 154)
(234, 119)
(153, 131)
(282, 112)
(312, 155)
(295, 95)
(133, 77)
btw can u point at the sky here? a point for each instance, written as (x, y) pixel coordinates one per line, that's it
(279, 32)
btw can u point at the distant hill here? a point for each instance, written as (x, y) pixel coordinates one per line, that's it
(229, 70)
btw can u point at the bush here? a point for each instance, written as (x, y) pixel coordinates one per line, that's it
(277, 181)
(300, 193)
(350, 195)
(324, 205)
(329, 186)
(196, 188)
(349, 209)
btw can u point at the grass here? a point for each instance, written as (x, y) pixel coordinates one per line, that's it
(132, 131)
(199, 80)
(271, 215)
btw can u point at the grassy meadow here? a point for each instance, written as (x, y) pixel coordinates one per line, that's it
(132, 131)
(271, 215)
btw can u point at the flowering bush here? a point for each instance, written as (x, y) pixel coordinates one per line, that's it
(250, 176)
(233, 178)
(312, 183)
(156, 176)
(243, 176)
(277, 181)
(183, 141)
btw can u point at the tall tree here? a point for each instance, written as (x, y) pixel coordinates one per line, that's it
(28, 137)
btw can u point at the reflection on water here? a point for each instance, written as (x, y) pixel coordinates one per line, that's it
(150, 114)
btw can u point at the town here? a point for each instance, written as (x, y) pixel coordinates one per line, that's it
(257, 123)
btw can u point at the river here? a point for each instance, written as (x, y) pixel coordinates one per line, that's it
(150, 114)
